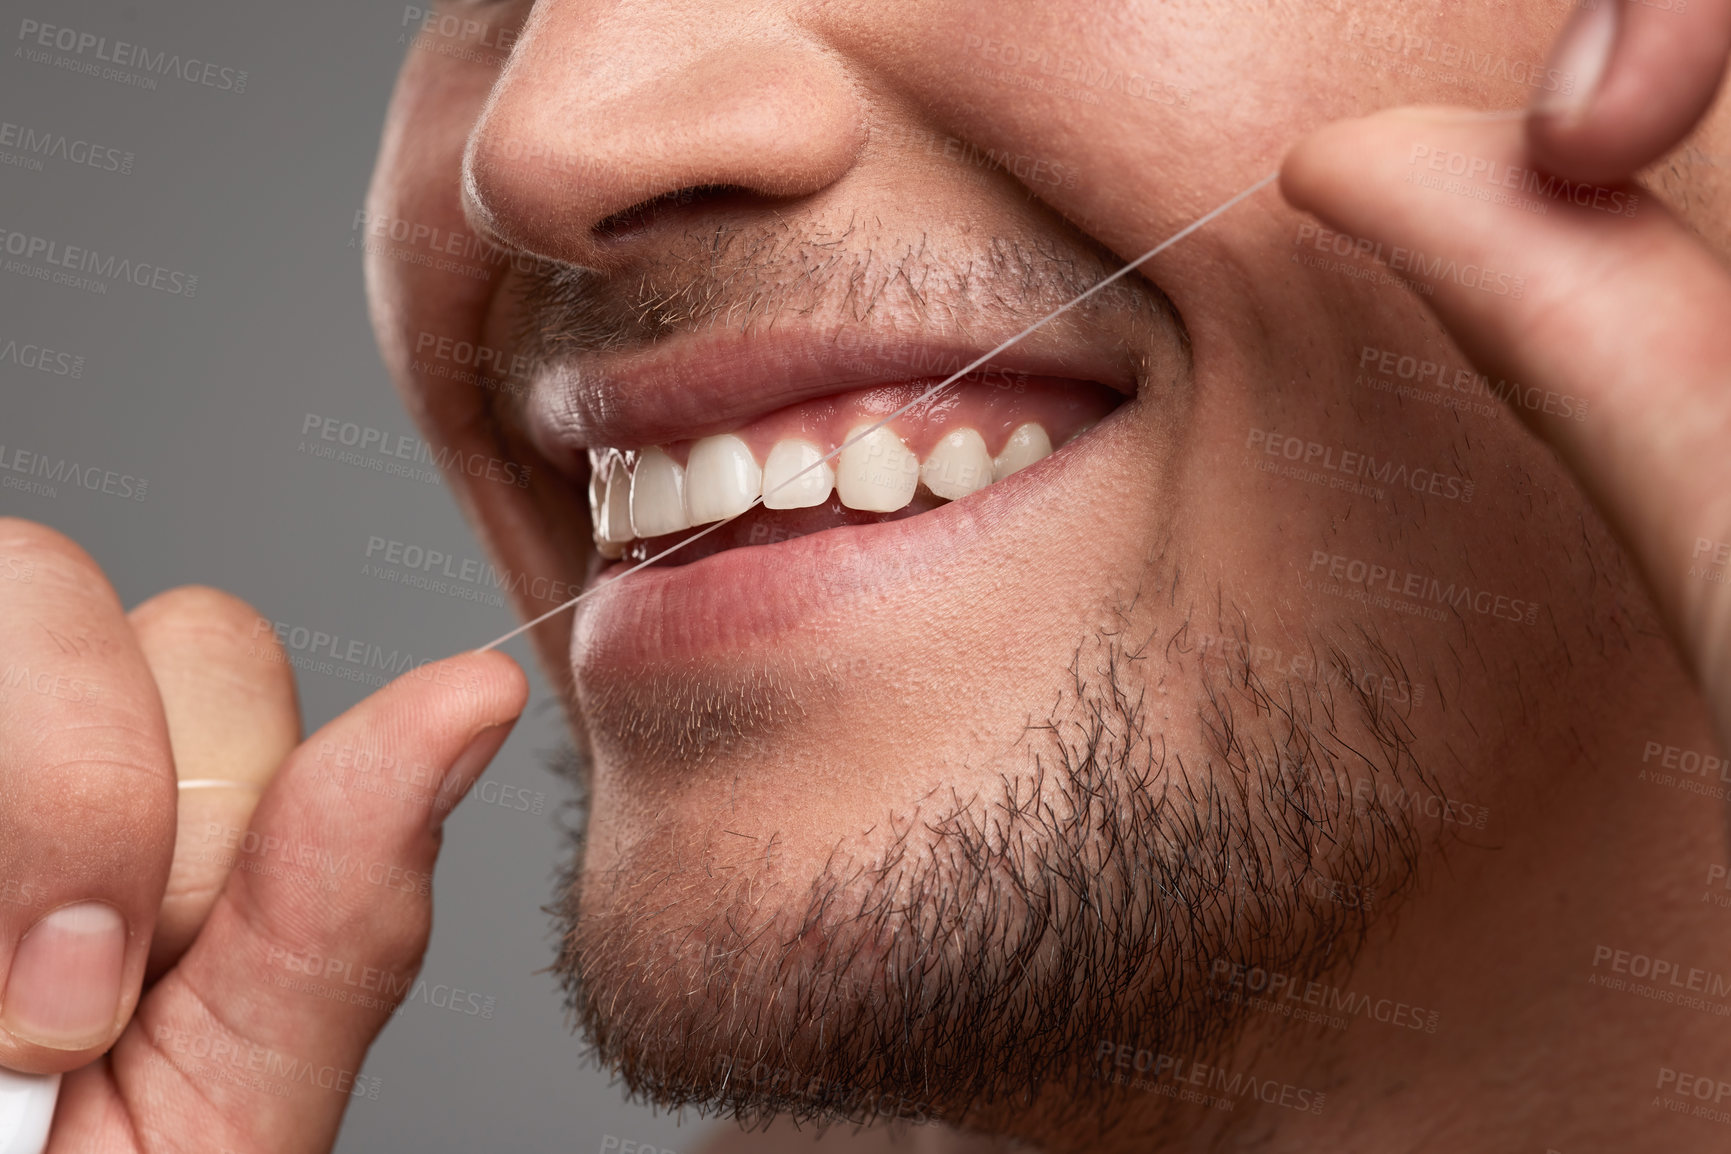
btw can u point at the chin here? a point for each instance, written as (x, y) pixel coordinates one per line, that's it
(771, 923)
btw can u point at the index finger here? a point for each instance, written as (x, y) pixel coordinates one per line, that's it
(87, 805)
(1623, 310)
(1642, 76)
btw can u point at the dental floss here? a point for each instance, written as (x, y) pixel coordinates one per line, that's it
(931, 392)
(26, 1109)
(27, 1100)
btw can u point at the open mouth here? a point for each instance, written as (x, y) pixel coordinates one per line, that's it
(713, 434)
(981, 429)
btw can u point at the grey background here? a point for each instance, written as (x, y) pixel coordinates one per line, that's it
(204, 398)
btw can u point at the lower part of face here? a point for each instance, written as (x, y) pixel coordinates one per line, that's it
(899, 917)
(918, 816)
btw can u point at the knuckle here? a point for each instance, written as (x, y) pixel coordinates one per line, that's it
(112, 770)
(58, 558)
(192, 891)
(96, 812)
(401, 941)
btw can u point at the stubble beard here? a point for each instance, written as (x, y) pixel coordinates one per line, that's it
(972, 968)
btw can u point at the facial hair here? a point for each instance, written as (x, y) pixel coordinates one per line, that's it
(974, 966)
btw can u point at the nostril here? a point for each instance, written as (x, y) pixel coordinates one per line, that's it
(641, 215)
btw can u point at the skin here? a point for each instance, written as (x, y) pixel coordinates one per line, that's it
(812, 114)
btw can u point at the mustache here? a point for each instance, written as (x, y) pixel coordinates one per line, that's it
(749, 277)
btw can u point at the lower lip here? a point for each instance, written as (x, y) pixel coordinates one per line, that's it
(755, 596)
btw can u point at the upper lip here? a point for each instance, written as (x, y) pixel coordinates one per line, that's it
(715, 381)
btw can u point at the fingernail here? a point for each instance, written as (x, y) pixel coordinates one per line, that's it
(1579, 58)
(466, 769)
(64, 989)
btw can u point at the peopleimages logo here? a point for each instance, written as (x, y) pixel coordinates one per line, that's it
(1216, 1087)
(44, 471)
(442, 572)
(34, 145)
(76, 259)
(1661, 972)
(396, 990)
(41, 358)
(1352, 463)
(1391, 365)
(1415, 267)
(430, 22)
(34, 36)
(399, 452)
(351, 658)
(1390, 586)
(1414, 50)
(1269, 660)
(219, 1057)
(1495, 174)
(1273, 991)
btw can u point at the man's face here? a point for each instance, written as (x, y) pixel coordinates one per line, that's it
(920, 809)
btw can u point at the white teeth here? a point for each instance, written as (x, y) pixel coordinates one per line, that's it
(721, 479)
(957, 465)
(657, 495)
(877, 473)
(806, 489)
(1029, 443)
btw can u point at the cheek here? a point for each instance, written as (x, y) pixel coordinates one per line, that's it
(430, 278)
(1122, 116)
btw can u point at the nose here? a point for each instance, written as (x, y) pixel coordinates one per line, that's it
(608, 112)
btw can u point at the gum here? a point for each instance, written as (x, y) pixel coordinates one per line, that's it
(995, 405)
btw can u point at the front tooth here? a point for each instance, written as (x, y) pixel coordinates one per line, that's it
(614, 527)
(721, 479)
(785, 487)
(877, 473)
(657, 495)
(1029, 443)
(959, 465)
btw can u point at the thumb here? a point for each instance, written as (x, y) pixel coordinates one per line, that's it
(320, 930)
(1641, 76)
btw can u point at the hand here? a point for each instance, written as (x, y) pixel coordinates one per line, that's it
(178, 973)
(1621, 305)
